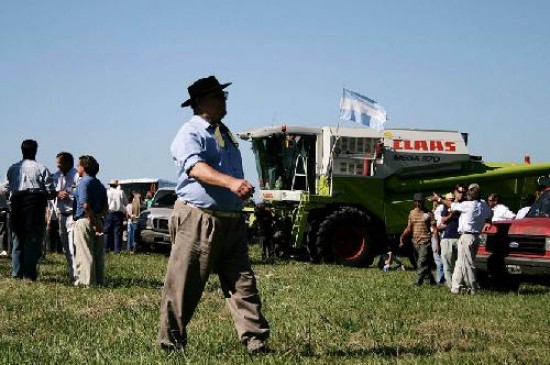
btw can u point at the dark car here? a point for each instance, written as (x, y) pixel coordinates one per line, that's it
(154, 223)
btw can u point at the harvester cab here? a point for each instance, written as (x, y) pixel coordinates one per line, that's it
(292, 161)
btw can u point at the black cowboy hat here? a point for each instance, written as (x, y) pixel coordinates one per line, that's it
(203, 87)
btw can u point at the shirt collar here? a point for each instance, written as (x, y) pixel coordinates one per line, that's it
(201, 121)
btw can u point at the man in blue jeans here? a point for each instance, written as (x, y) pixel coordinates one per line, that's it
(440, 277)
(114, 220)
(29, 185)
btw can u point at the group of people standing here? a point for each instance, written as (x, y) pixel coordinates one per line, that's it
(451, 233)
(79, 201)
(122, 208)
(45, 210)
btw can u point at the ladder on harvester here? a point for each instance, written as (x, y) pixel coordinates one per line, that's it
(299, 223)
(301, 162)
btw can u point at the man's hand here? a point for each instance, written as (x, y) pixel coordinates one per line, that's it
(206, 174)
(62, 194)
(242, 188)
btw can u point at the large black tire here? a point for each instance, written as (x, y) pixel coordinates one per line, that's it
(311, 242)
(344, 237)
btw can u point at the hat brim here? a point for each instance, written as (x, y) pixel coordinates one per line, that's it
(188, 102)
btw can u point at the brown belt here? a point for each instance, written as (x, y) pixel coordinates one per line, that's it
(216, 213)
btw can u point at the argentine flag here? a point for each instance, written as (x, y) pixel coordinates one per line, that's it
(357, 108)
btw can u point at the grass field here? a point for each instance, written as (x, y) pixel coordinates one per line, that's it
(319, 314)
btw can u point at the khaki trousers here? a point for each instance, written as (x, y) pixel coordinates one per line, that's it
(464, 272)
(89, 254)
(66, 227)
(203, 243)
(448, 258)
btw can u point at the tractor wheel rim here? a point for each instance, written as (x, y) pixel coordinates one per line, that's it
(348, 242)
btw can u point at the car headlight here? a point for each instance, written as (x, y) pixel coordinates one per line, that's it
(483, 239)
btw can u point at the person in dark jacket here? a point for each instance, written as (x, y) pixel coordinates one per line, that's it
(265, 230)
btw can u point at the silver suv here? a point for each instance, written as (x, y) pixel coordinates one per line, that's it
(153, 223)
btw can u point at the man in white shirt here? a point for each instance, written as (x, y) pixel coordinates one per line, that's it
(474, 214)
(114, 219)
(500, 211)
(65, 180)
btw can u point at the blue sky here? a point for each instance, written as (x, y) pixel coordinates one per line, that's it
(106, 78)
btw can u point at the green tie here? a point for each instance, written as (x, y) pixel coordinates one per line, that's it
(219, 135)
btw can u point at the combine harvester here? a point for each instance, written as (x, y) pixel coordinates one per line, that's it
(346, 192)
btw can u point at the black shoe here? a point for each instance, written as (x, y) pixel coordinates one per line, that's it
(170, 347)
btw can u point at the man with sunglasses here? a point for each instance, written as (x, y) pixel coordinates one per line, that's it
(449, 235)
(207, 228)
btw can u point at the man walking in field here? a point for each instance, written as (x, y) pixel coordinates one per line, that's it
(422, 227)
(207, 227)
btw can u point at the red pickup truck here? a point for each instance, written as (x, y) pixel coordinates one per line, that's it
(519, 249)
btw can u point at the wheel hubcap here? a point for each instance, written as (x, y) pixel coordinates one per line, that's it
(348, 242)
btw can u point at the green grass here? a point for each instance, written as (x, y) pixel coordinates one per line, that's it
(319, 314)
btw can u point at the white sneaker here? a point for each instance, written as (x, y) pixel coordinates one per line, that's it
(4, 253)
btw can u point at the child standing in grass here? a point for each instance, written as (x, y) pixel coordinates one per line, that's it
(90, 205)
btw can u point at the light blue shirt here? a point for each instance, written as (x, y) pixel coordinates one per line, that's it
(195, 142)
(27, 175)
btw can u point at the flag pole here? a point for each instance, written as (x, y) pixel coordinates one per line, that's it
(337, 137)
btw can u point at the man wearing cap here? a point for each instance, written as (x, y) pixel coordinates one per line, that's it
(29, 185)
(114, 220)
(474, 214)
(208, 231)
(422, 227)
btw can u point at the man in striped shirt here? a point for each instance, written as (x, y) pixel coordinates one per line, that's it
(422, 227)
